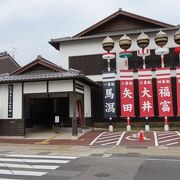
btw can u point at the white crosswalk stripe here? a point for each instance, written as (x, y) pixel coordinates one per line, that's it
(29, 165)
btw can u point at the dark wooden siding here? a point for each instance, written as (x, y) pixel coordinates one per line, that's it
(90, 64)
(12, 127)
(154, 61)
(121, 23)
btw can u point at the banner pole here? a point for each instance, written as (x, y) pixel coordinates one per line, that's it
(144, 62)
(166, 126)
(144, 67)
(108, 60)
(128, 124)
(162, 61)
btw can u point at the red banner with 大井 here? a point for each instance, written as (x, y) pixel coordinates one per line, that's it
(178, 89)
(146, 102)
(127, 93)
(164, 92)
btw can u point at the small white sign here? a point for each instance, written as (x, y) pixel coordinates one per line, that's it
(56, 119)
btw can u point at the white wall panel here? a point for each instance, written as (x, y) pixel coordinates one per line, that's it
(35, 87)
(61, 86)
(17, 101)
(87, 101)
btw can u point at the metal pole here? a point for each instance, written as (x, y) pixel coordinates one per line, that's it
(126, 62)
(109, 68)
(128, 121)
(144, 63)
(144, 67)
(165, 120)
(162, 61)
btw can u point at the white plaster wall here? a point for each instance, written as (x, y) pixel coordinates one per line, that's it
(78, 97)
(61, 86)
(35, 87)
(87, 101)
(17, 101)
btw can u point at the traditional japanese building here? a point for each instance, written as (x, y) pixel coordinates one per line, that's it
(43, 93)
(7, 63)
(84, 52)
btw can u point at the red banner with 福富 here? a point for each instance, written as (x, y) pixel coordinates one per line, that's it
(146, 102)
(178, 89)
(164, 91)
(127, 93)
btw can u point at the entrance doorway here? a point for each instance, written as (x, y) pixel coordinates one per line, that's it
(39, 113)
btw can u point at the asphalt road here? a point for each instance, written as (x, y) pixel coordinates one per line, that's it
(95, 167)
(127, 168)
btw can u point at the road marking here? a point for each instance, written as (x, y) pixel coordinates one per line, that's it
(169, 140)
(46, 141)
(112, 142)
(167, 136)
(178, 133)
(172, 143)
(110, 134)
(106, 140)
(120, 139)
(26, 166)
(159, 134)
(33, 160)
(96, 138)
(41, 156)
(155, 138)
(8, 179)
(21, 173)
(105, 137)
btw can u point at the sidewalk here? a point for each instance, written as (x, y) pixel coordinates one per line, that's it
(104, 138)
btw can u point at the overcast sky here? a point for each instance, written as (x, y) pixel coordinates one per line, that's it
(26, 26)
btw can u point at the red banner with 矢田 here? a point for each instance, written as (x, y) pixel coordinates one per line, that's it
(127, 93)
(146, 102)
(164, 91)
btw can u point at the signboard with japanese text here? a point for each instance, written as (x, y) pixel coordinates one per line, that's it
(164, 91)
(145, 93)
(127, 93)
(10, 100)
(178, 89)
(109, 94)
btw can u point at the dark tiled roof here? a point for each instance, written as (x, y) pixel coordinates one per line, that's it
(7, 63)
(44, 75)
(38, 75)
(57, 41)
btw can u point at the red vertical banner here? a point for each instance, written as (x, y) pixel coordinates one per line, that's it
(164, 91)
(146, 102)
(127, 93)
(178, 89)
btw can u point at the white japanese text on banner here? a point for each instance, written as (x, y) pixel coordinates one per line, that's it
(164, 91)
(109, 94)
(127, 93)
(146, 102)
